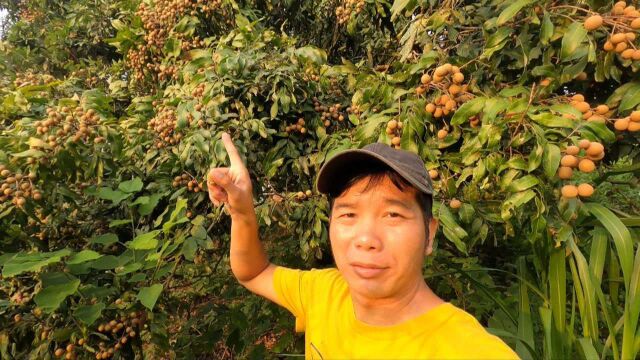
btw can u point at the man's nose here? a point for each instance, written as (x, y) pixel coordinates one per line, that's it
(368, 236)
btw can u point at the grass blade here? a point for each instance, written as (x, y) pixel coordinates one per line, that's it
(598, 253)
(621, 237)
(525, 324)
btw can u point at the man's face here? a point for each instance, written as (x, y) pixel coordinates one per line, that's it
(378, 239)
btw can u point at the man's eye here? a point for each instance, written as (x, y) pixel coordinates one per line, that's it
(394, 214)
(348, 215)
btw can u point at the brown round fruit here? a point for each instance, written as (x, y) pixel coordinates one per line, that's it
(586, 165)
(572, 150)
(595, 148)
(618, 38)
(395, 141)
(433, 174)
(577, 98)
(442, 133)
(584, 144)
(425, 79)
(585, 190)
(582, 106)
(59, 352)
(569, 161)
(634, 127)
(569, 191)
(430, 108)
(622, 124)
(455, 203)
(565, 172)
(635, 116)
(593, 22)
(602, 109)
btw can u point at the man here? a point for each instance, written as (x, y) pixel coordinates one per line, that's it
(376, 304)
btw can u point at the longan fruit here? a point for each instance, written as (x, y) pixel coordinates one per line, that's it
(621, 47)
(630, 36)
(595, 148)
(582, 106)
(572, 150)
(628, 54)
(597, 118)
(577, 98)
(608, 46)
(442, 133)
(585, 190)
(593, 22)
(308, 193)
(430, 108)
(458, 78)
(438, 112)
(596, 157)
(622, 124)
(634, 127)
(425, 79)
(59, 352)
(545, 82)
(565, 172)
(433, 174)
(602, 109)
(569, 191)
(635, 116)
(454, 89)
(392, 124)
(586, 166)
(455, 203)
(569, 160)
(395, 141)
(584, 144)
(618, 38)
(635, 24)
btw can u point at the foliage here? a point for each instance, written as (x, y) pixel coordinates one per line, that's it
(111, 115)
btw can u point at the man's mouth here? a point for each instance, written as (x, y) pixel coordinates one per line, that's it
(367, 271)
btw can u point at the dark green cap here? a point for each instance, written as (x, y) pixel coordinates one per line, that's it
(349, 163)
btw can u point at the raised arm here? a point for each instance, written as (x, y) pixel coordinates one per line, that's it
(232, 187)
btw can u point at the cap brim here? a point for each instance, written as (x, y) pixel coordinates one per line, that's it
(339, 169)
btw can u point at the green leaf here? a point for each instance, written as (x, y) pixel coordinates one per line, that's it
(551, 160)
(572, 40)
(496, 42)
(558, 288)
(510, 11)
(83, 256)
(172, 47)
(524, 183)
(88, 314)
(311, 53)
(467, 110)
(631, 98)
(546, 31)
(619, 233)
(50, 298)
(149, 295)
(144, 241)
(115, 196)
(131, 186)
(22, 262)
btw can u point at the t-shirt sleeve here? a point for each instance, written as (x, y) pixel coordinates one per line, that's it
(292, 288)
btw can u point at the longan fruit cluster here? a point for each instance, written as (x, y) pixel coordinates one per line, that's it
(29, 15)
(624, 20)
(17, 187)
(303, 195)
(394, 129)
(30, 78)
(189, 182)
(450, 80)
(121, 330)
(69, 124)
(310, 75)
(198, 91)
(571, 191)
(297, 127)
(68, 352)
(327, 114)
(164, 124)
(630, 123)
(584, 157)
(354, 109)
(349, 8)
(598, 114)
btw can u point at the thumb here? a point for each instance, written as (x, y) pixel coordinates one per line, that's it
(221, 178)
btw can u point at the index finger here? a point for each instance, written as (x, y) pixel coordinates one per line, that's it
(234, 156)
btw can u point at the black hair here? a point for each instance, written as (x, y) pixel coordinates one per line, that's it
(376, 174)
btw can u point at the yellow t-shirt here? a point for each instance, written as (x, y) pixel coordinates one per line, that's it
(321, 303)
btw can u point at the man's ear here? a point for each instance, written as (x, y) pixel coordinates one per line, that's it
(431, 234)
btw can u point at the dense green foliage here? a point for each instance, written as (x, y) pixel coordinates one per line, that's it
(111, 114)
